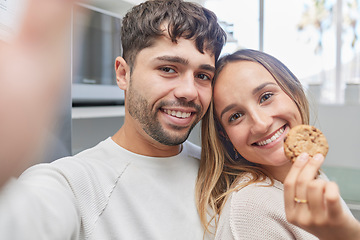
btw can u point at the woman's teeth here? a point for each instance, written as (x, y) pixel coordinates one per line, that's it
(273, 138)
(177, 113)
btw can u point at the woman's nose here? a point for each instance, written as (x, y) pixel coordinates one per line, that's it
(261, 121)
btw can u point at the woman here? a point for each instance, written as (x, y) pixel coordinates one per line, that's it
(256, 100)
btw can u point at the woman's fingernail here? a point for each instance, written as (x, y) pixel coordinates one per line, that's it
(303, 157)
(318, 157)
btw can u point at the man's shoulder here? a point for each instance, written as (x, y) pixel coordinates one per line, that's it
(95, 161)
(101, 148)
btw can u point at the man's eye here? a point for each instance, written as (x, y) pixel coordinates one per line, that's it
(203, 76)
(265, 97)
(235, 116)
(167, 69)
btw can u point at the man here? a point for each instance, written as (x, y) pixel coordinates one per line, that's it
(139, 183)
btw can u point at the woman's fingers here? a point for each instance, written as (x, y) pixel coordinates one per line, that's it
(315, 196)
(332, 200)
(303, 194)
(308, 173)
(290, 182)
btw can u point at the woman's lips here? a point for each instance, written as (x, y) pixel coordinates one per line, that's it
(275, 136)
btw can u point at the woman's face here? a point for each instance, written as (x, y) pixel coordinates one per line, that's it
(255, 113)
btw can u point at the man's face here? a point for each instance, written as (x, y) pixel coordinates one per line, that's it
(170, 89)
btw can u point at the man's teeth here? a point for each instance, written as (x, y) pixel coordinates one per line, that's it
(273, 138)
(177, 113)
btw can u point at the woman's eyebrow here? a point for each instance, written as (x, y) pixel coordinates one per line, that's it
(229, 107)
(261, 86)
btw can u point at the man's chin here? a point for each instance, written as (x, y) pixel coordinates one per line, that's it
(170, 135)
(171, 139)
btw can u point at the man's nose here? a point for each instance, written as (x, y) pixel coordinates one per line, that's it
(186, 88)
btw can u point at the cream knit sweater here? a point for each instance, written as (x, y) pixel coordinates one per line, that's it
(256, 212)
(105, 193)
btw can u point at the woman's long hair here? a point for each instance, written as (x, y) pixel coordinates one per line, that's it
(221, 166)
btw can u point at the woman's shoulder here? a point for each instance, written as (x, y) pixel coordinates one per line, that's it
(257, 197)
(257, 210)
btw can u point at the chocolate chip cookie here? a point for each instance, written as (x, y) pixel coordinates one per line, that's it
(305, 138)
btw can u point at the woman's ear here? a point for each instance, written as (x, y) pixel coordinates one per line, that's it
(122, 70)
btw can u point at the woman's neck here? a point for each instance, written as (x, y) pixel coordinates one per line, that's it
(278, 172)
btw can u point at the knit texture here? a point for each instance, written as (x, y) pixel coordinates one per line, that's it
(256, 212)
(105, 192)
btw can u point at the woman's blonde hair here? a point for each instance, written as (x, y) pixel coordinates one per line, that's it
(221, 166)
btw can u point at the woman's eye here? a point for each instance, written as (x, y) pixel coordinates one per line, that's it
(167, 69)
(265, 97)
(235, 116)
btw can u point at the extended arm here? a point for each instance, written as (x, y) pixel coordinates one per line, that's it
(33, 72)
(318, 209)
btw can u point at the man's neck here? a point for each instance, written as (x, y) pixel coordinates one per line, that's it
(141, 143)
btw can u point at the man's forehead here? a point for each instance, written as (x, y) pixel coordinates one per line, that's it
(183, 51)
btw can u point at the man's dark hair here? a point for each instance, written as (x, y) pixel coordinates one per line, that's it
(145, 22)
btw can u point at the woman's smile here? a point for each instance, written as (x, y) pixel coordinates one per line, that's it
(271, 138)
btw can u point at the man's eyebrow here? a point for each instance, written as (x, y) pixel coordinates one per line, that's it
(207, 67)
(176, 59)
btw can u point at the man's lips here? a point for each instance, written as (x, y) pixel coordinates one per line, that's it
(177, 113)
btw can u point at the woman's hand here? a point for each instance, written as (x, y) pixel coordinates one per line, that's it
(315, 204)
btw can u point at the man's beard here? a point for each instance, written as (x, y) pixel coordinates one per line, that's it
(140, 110)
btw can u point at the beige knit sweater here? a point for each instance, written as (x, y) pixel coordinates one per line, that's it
(257, 212)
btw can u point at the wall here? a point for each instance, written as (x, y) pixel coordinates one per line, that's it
(341, 126)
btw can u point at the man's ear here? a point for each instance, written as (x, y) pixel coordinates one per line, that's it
(122, 70)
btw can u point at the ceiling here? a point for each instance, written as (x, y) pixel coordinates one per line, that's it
(121, 6)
